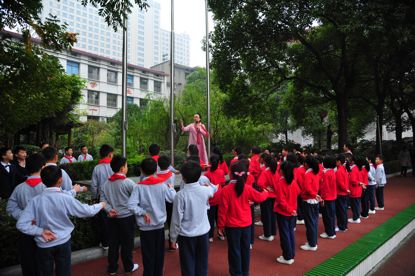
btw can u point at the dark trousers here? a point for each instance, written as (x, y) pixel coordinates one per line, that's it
(329, 217)
(365, 203)
(287, 237)
(268, 218)
(169, 211)
(311, 222)
(213, 216)
(300, 215)
(404, 171)
(238, 250)
(27, 250)
(341, 212)
(379, 196)
(121, 235)
(253, 224)
(355, 205)
(101, 227)
(194, 253)
(371, 196)
(152, 251)
(58, 256)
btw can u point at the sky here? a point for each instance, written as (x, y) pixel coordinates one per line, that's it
(189, 18)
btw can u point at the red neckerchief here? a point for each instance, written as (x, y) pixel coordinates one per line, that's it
(164, 176)
(156, 157)
(151, 180)
(32, 182)
(199, 134)
(69, 158)
(84, 157)
(117, 176)
(105, 160)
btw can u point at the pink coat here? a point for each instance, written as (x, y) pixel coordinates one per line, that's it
(194, 134)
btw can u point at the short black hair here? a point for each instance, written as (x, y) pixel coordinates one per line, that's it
(193, 150)
(67, 148)
(148, 166)
(34, 163)
(105, 150)
(329, 162)
(42, 144)
(163, 162)
(154, 149)
(238, 150)
(256, 150)
(83, 146)
(3, 151)
(349, 146)
(341, 158)
(49, 153)
(18, 148)
(117, 163)
(50, 175)
(191, 172)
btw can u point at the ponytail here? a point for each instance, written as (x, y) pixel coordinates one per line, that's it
(312, 164)
(214, 162)
(287, 169)
(271, 163)
(239, 174)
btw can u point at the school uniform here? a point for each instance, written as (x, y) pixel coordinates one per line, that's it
(52, 210)
(364, 175)
(17, 202)
(328, 192)
(21, 172)
(285, 205)
(217, 178)
(100, 175)
(299, 178)
(234, 216)
(371, 188)
(67, 160)
(310, 205)
(8, 173)
(190, 227)
(380, 178)
(224, 167)
(66, 181)
(255, 167)
(233, 161)
(342, 186)
(116, 192)
(169, 178)
(267, 181)
(355, 191)
(85, 157)
(149, 197)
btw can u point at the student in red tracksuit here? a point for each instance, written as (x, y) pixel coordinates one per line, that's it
(364, 174)
(267, 181)
(285, 207)
(254, 165)
(328, 193)
(216, 177)
(299, 172)
(235, 218)
(342, 185)
(311, 200)
(236, 151)
(222, 163)
(355, 185)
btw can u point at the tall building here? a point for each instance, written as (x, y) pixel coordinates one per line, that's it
(95, 36)
(181, 47)
(180, 74)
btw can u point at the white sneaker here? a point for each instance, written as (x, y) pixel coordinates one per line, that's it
(300, 221)
(270, 238)
(135, 267)
(372, 212)
(104, 247)
(281, 260)
(320, 215)
(325, 236)
(337, 229)
(307, 247)
(364, 217)
(210, 239)
(250, 246)
(350, 220)
(380, 208)
(258, 223)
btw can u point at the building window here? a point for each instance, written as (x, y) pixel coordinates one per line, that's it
(143, 103)
(93, 72)
(130, 80)
(112, 100)
(92, 118)
(143, 83)
(93, 97)
(72, 67)
(157, 86)
(130, 100)
(112, 77)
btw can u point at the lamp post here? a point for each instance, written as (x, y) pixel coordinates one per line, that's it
(124, 88)
(207, 75)
(172, 126)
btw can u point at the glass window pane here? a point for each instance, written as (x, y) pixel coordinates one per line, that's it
(143, 83)
(111, 100)
(93, 72)
(72, 67)
(157, 86)
(93, 97)
(112, 77)
(130, 80)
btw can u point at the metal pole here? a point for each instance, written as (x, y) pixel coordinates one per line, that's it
(380, 134)
(124, 88)
(207, 76)
(172, 126)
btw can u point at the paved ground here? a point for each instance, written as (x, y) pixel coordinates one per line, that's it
(399, 194)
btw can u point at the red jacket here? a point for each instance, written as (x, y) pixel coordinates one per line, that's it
(255, 167)
(299, 176)
(342, 181)
(328, 188)
(286, 197)
(235, 211)
(217, 177)
(355, 178)
(310, 186)
(364, 176)
(267, 181)
(224, 167)
(234, 160)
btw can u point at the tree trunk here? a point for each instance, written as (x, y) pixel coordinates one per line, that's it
(329, 136)
(398, 128)
(342, 113)
(379, 128)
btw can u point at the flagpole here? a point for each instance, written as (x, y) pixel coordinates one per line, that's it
(207, 76)
(172, 126)
(124, 88)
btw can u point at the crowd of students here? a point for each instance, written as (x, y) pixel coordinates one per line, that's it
(292, 188)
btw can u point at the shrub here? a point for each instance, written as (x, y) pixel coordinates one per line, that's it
(392, 166)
